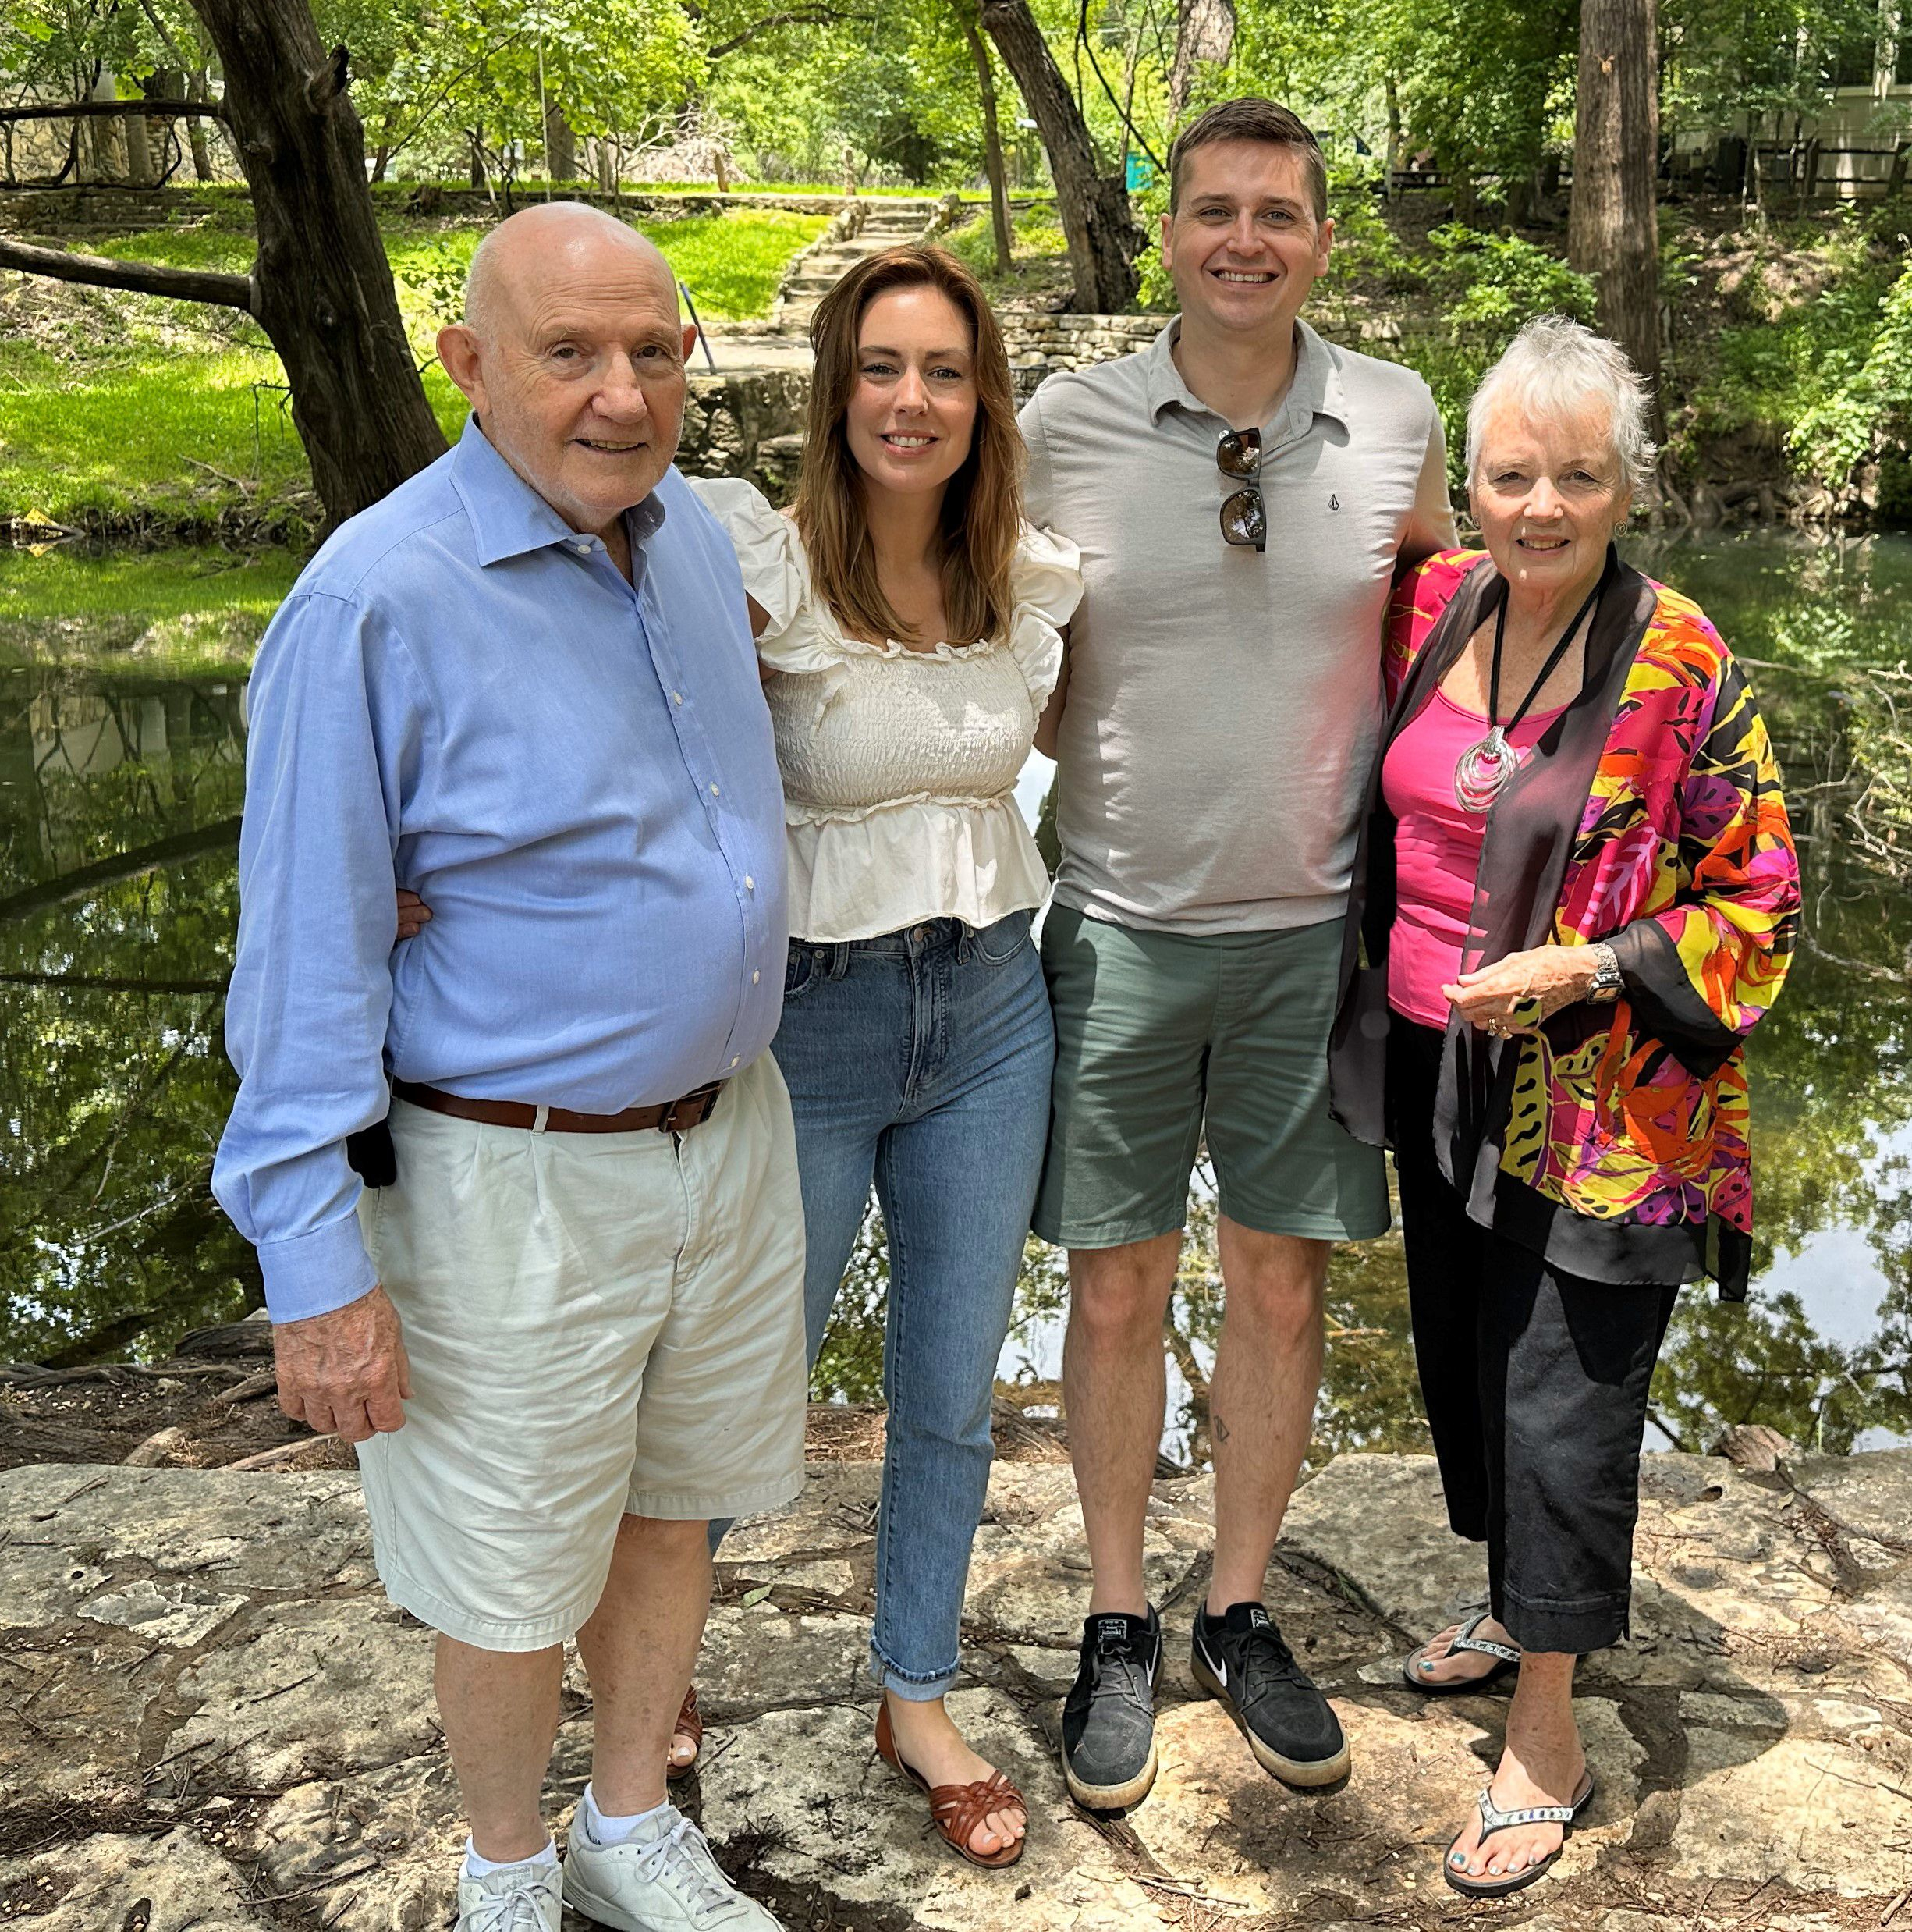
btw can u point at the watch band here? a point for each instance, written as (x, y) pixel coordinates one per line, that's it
(1606, 979)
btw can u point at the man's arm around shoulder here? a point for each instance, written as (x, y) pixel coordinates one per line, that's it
(332, 715)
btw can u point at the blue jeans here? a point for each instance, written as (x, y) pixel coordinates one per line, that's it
(921, 1059)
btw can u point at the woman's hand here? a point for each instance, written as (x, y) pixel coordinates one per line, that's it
(1516, 994)
(414, 914)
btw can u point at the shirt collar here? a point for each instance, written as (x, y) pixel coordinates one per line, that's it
(1316, 389)
(509, 518)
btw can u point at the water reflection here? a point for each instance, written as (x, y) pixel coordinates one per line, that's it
(119, 824)
(120, 784)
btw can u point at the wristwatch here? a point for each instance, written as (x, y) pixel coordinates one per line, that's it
(1606, 980)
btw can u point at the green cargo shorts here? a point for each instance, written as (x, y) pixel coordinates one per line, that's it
(1160, 1036)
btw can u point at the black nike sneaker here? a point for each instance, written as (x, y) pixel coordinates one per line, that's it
(1108, 1719)
(1240, 1659)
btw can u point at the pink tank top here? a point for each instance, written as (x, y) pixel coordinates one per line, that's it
(1437, 851)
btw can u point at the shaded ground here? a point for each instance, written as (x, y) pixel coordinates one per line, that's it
(213, 1720)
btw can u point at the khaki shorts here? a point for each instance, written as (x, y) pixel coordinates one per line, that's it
(598, 1324)
(1163, 1039)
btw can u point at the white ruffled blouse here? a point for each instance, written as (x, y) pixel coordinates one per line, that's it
(899, 766)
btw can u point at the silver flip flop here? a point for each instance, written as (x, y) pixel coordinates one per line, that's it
(1507, 1659)
(1493, 1819)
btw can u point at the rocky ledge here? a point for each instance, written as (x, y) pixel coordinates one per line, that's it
(213, 1721)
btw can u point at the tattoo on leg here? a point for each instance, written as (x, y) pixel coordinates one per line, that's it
(1221, 1429)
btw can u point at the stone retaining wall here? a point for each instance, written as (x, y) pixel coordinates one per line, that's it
(1040, 344)
(749, 425)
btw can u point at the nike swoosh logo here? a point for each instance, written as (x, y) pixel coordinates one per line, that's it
(1221, 1669)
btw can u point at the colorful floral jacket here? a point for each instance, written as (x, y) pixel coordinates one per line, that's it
(1651, 817)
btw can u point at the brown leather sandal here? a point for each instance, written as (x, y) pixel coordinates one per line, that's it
(690, 1725)
(957, 1809)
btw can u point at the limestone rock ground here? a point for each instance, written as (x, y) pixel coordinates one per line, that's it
(211, 1721)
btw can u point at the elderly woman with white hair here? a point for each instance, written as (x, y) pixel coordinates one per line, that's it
(1578, 895)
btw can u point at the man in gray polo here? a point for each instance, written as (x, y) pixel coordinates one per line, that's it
(1243, 493)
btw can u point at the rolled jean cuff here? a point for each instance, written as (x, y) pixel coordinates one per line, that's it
(1574, 1627)
(912, 1689)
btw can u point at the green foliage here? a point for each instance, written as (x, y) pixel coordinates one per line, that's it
(1872, 406)
(1036, 245)
(435, 82)
(1814, 358)
(1494, 283)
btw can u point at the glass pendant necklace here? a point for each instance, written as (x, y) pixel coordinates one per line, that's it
(1483, 768)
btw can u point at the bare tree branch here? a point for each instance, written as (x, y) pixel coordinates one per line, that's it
(95, 110)
(143, 278)
(793, 17)
(95, 982)
(117, 870)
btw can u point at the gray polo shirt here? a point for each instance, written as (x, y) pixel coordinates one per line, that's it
(1224, 706)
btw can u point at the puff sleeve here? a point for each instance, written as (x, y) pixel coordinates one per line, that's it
(1045, 580)
(775, 574)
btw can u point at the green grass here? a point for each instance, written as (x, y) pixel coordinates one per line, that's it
(1037, 244)
(172, 415)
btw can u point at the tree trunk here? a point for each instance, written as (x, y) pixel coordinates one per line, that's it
(992, 145)
(1204, 30)
(607, 175)
(140, 173)
(1613, 223)
(560, 145)
(1094, 207)
(99, 139)
(323, 289)
(478, 176)
(1396, 157)
(195, 130)
(1461, 184)
(145, 138)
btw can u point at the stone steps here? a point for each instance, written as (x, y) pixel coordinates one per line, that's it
(811, 274)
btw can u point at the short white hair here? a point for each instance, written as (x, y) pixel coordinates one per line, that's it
(1555, 366)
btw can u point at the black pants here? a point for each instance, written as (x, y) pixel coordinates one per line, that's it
(1535, 1384)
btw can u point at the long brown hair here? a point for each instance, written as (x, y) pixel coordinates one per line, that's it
(982, 507)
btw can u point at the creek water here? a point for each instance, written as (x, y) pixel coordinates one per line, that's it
(123, 710)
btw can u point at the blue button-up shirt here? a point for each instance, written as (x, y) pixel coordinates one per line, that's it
(463, 695)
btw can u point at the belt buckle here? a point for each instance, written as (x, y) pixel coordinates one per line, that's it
(688, 1110)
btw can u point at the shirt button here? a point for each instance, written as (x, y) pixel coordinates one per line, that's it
(749, 884)
(715, 793)
(677, 698)
(733, 1063)
(754, 978)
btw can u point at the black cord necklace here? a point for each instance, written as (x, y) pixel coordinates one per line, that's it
(1484, 767)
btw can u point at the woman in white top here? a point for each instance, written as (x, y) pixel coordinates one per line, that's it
(909, 623)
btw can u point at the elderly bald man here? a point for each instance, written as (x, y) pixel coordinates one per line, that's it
(567, 1332)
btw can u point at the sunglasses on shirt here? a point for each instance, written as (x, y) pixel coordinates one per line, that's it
(1244, 521)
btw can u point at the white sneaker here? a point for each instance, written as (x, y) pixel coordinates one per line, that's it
(519, 1899)
(662, 1879)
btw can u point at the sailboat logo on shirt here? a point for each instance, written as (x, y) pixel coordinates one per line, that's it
(1333, 502)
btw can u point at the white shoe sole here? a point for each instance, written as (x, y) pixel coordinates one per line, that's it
(1304, 1776)
(579, 1898)
(1112, 1797)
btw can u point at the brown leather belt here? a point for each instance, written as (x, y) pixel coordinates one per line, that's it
(673, 1117)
